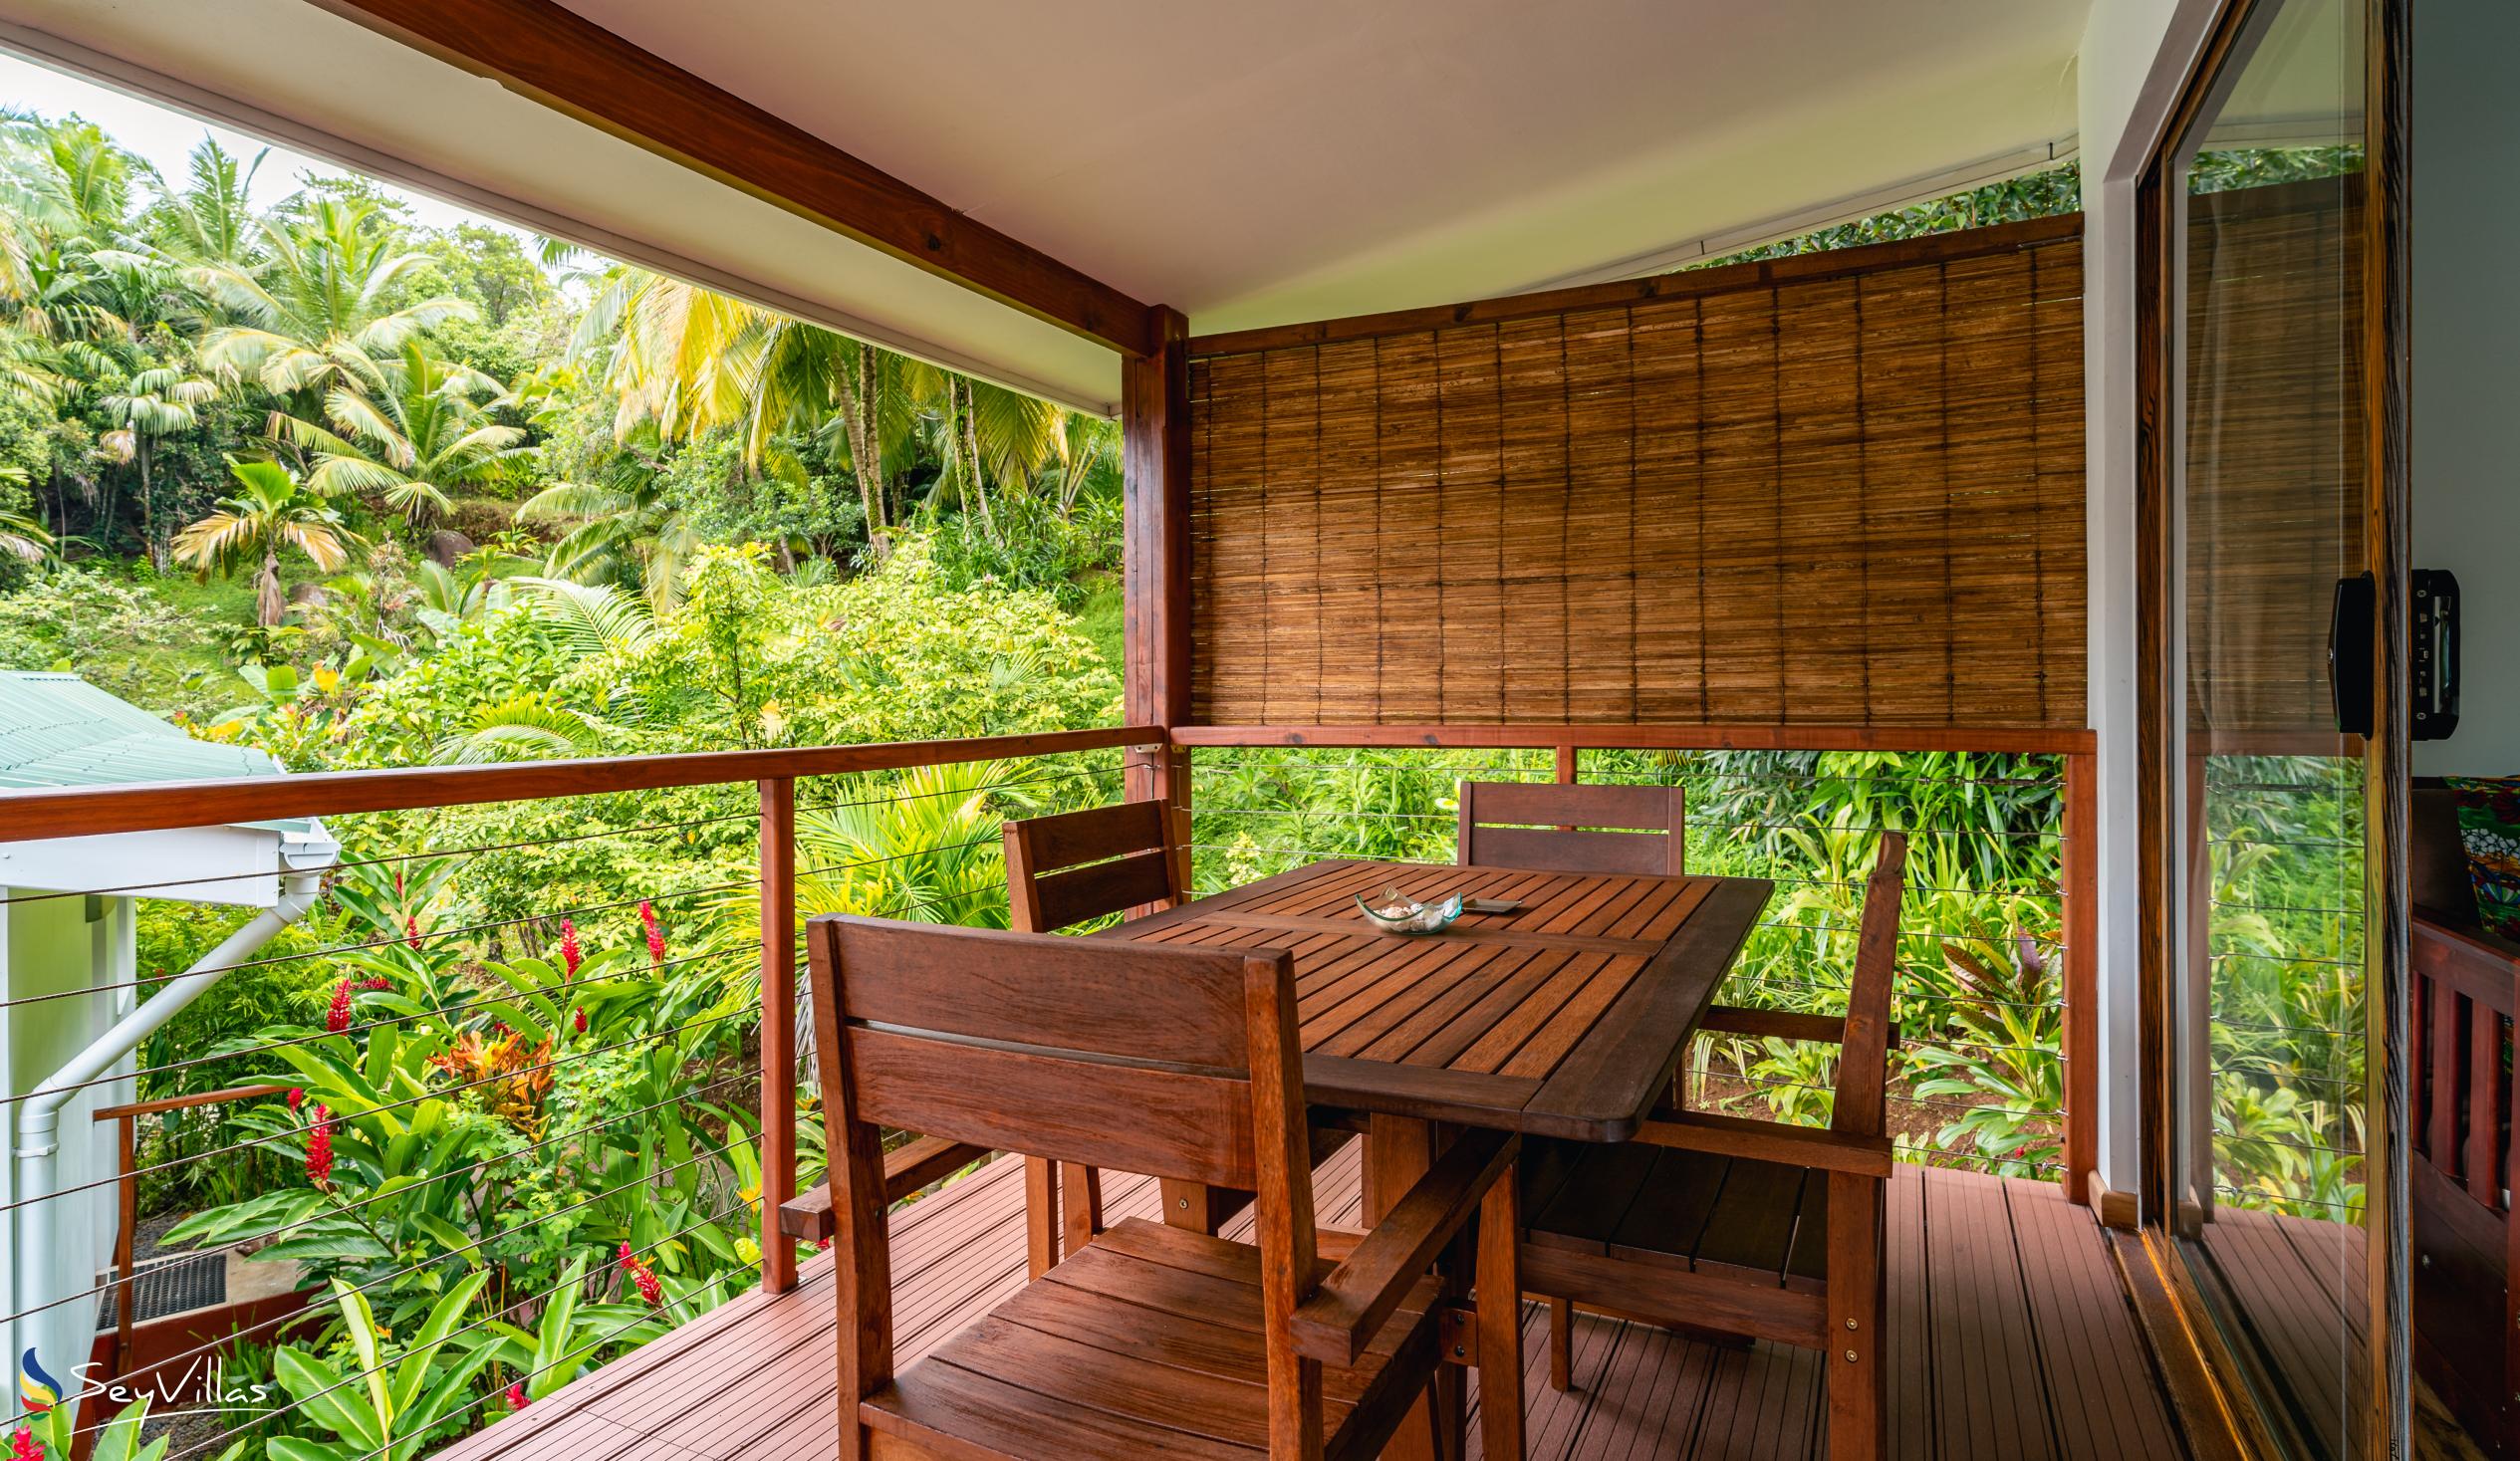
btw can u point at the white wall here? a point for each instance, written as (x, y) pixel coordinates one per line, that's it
(2133, 55)
(2466, 449)
(47, 945)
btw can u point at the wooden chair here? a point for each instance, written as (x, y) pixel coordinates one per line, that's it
(1558, 828)
(1745, 1227)
(1062, 870)
(1153, 1340)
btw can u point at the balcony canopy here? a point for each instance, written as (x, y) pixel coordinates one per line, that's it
(1246, 166)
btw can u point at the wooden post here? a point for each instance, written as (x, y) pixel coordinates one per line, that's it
(1156, 562)
(2081, 916)
(778, 1027)
(125, 1290)
(1568, 772)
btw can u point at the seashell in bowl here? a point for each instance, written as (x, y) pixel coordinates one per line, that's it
(1395, 911)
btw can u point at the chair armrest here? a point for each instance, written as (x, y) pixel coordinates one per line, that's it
(1779, 1024)
(1800, 1146)
(806, 1216)
(1357, 1297)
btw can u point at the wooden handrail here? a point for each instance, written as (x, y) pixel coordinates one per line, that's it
(186, 1102)
(1570, 738)
(33, 815)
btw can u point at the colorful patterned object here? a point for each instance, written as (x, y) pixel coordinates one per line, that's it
(2489, 826)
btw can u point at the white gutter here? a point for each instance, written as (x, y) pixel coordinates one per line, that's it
(303, 861)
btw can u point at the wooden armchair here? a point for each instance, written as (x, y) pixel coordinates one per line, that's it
(1746, 1227)
(1153, 1340)
(1558, 828)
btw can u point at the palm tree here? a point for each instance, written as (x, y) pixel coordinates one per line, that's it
(312, 317)
(413, 436)
(273, 512)
(153, 404)
(208, 223)
(22, 538)
(628, 529)
(692, 360)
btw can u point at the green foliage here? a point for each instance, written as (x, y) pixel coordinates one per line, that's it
(382, 1399)
(118, 634)
(57, 1437)
(2041, 194)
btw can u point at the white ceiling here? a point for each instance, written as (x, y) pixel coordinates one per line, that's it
(1247, 163)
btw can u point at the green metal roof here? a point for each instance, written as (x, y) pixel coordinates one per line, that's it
(57, 730)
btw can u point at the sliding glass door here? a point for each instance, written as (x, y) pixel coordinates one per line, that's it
(2262, 207)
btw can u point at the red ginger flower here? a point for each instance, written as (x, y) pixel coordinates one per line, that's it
(641, 1276)
(579, 1017)
(319, 1147)
(412, 929)
(570, 956)
(297, 1099)
(655, 935)
(516, 1396)
(23, 1447)
(337, 1017)
(377, 982)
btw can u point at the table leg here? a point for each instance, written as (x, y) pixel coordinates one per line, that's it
(1041, 1216)
(1397, 1151)
(1191, 1205)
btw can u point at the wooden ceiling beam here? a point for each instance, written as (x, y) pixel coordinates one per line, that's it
(546, 52)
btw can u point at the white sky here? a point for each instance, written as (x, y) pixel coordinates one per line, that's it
(165, 137)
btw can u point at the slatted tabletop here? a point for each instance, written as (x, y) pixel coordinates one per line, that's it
(1565, 1017)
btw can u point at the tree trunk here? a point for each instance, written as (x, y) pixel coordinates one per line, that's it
(268, 600)
(148, 513)
(978, 488)
(865, 448)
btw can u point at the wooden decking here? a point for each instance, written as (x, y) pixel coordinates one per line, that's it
(2012, 1341)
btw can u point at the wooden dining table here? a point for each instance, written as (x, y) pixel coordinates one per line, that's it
(1564, 1018)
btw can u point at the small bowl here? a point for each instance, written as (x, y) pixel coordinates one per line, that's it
(1395, 912)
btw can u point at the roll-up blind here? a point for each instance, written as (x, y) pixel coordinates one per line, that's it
(1838, 489)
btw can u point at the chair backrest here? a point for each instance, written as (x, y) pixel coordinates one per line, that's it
(1863, 1061)
(1145, 1058)
(1077, 865)
(1554, 828)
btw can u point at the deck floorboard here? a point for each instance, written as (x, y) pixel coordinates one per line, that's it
(2008, 1333)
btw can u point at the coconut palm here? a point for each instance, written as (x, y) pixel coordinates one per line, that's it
(153, 404)
(313, 316)
(415, 433)
(273, 512)
(691, 361)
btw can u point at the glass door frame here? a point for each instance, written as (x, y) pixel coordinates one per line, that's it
(2162, 780)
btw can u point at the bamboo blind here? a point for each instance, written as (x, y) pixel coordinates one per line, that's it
(2273, 471)
(1843, 492)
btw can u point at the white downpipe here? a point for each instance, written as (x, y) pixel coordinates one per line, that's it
(39, 1114)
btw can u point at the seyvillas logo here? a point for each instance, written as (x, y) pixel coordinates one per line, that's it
(202, 1385)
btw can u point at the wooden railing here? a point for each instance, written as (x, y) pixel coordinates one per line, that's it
(126, 1119)
(27, 816)
(1157, 756)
